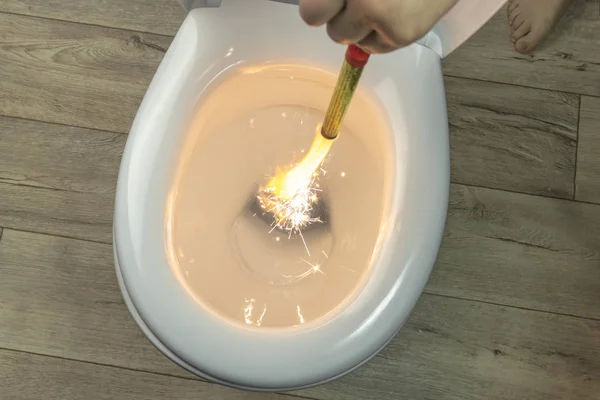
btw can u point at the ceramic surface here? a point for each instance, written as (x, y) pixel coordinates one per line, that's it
(409, 86)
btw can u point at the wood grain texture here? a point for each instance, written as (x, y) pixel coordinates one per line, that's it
(59, 297)
(588, 153)
(512, 138)
(162, 17)
(453, 349)
(474, 334)
(29, 376)
(59, 157)
(74, 74)
(565, 62)
(568, 61)
(521, 250)
(57, 179)
(57, 212)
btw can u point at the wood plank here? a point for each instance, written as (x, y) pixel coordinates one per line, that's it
(58, 212)
(588, 153)
(512, 138)
(454, 349)
(59, 157)
(75, 74)
(569, 61)
(59, 297)
(29, 376)
(162, 17)
(521, 250)
(78, 165)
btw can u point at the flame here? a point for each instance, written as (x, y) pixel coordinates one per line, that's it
(287, 183)
(291, 194)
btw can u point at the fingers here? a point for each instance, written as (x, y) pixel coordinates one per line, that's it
(416, 22)
(375, 43)
(378, 26)
(349, 26)
(349, 22)
(319, 12)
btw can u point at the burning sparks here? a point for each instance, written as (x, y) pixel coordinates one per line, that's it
(291, 195)
(293, 214)
(313, 270)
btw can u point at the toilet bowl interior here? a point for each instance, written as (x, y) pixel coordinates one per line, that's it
(253, 119)
(211, 48)
(407, 88)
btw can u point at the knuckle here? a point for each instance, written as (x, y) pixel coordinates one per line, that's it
(403, 34)
(382, 47)
(336, 35)
(396, 22)
(411, 32)
(310, 18)
(319, 12)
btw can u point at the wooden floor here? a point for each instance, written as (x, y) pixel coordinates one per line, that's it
(512, 310)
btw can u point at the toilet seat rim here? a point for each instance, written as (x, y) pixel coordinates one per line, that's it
(341, 352)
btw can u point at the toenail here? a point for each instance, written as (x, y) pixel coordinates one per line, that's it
(522, 47)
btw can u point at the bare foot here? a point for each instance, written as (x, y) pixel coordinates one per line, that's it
(531, 21)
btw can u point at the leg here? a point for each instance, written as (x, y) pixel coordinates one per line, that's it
(531, 21)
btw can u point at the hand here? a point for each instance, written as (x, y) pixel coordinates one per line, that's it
(377, 26)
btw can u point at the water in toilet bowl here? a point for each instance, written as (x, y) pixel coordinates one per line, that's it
(253, 120)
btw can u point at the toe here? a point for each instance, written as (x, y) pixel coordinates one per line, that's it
(528, 43)
(522, 46)
(513, 16)
(512, 6)
(521, 31)
(517, 23)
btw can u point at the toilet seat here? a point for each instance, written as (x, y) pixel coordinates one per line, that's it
(208, 42)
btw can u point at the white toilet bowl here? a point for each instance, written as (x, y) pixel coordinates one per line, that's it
(407, 87)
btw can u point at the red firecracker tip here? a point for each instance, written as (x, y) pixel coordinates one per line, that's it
(356, 57)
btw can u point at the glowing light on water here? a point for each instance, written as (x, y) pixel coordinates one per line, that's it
(300, 316)
(248, 308)
(248, 311)
(314, 268)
